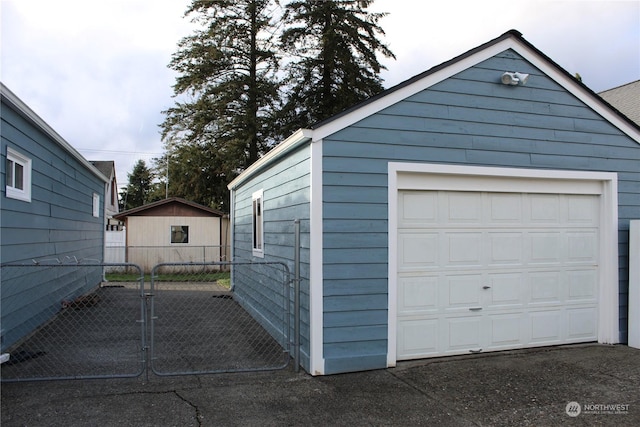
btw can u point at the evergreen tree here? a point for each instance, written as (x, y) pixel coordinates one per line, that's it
(140, 187)
(228, 94)
(334, 46)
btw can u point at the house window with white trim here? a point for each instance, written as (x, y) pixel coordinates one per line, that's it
(258, 223)
(96, 205)
(18, 176)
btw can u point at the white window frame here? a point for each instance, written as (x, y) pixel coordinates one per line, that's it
(257, 224)
(96, 205)
(182, 227)
(12, 192)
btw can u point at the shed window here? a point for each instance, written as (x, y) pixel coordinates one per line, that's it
(257, 220)
(179, 234)
(18, 176)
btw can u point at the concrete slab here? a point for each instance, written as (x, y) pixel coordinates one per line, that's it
(525, 387)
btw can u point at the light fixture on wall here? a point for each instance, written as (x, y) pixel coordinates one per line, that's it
(514, 78)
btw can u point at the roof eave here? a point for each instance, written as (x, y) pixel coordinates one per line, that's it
(23, 109)
(301, 136)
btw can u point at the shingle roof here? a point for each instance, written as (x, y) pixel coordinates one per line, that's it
(104, 166)
(170, 200)
(626, 99)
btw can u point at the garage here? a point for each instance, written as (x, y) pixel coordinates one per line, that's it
(492, 259)
(453, 214)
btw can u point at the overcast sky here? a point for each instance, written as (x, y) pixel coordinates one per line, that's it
(96, 70)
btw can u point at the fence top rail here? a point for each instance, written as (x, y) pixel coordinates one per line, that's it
(68, 262)
(222, 263)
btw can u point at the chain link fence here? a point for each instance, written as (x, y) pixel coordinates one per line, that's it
(149, 256)
(200, 325)
(84, 320)
(63, 320)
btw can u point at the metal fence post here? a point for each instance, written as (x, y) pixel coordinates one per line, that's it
(296, 295)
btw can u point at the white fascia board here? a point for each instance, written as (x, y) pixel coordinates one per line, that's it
(576, 90)
(444, 73)
(299, 137)
(411, 89)
(23, 109)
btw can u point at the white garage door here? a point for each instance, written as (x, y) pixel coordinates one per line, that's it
(486, 271)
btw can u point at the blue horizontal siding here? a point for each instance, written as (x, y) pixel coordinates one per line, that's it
(468, 119)
(286, 196)
(57, 223)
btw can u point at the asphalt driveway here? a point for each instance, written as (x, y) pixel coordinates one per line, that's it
(570, 385)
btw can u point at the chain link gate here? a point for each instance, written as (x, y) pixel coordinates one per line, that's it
(62, 320)
(199, 324)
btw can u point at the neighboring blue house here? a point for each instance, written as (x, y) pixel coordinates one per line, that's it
(469, 209)
(51, 207)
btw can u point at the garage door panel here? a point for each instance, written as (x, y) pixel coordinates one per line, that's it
(582, 209)
(507, 331)
(544, 208)
(462, 291)
(545, 287)
(418, 207)
(545, 247)
(418, 338)
(463, 249)
(581, 324)
(462, 333)
(545, 327)
(495, 271)
(582, 285)
(505, 248)
(506, 208)
(505, 291)
(418, 295)
(463, 208)
(418, 250)
(582, 247)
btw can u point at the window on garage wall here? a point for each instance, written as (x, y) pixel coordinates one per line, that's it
(258, 222)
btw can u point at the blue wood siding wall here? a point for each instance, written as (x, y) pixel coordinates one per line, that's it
(57, 223)
(468, 119)
(286, 196)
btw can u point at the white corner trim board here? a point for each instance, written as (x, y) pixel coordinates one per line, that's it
(634, 284)
(316, 306)
(599, 188)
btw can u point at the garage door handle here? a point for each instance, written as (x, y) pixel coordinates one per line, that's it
(475, 308)
(486, 287)
(476, 351)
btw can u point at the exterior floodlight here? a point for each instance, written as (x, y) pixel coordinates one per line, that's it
(514, 78)
(522, 77)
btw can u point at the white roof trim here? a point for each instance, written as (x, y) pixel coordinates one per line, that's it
(429, 80)
(411, 89)
(298, 137)
(23, 109)
(534, 57)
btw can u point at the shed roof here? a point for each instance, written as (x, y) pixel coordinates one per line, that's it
(16, 104)
(167, 207)
(510, 40)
